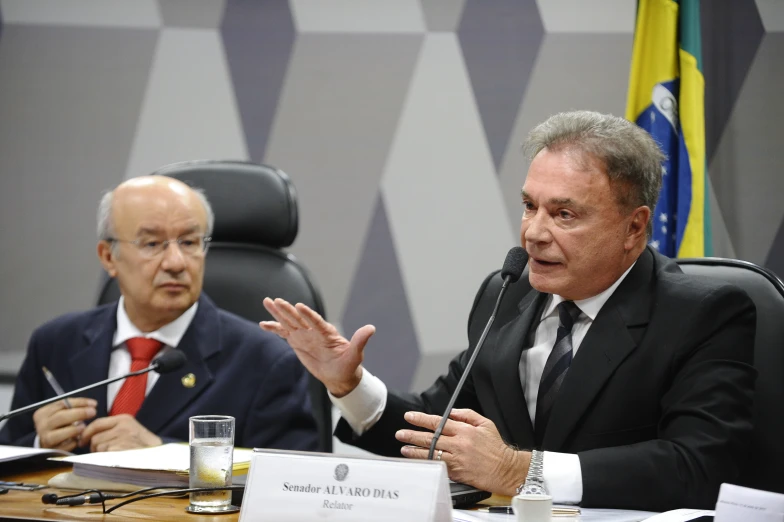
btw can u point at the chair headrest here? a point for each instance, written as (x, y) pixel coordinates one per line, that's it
(252, 203)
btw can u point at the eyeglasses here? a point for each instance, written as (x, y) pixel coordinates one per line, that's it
(194, 246)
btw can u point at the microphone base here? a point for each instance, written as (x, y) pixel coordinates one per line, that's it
(202, 510)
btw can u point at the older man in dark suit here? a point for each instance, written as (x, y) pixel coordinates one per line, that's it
(609, 378)
(153, 237)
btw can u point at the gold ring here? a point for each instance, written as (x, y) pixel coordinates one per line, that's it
(440, 452)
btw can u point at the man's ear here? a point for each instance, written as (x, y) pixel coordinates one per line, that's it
(107, 257)
(638, 227)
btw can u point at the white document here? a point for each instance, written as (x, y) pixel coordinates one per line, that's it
(586, 514)
(737, 503)
(680, 515)
(165, 465)
(168, 457)
(293, 486)
(10, 453)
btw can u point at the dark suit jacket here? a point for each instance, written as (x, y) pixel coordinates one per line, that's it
(657, 403)
(240, 371)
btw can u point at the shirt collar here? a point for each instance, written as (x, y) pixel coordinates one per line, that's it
(169, 334)
(591, 305)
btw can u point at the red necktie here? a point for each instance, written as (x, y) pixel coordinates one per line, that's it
(131, 394)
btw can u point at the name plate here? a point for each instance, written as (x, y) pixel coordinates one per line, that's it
(748, 505)
(293, 486)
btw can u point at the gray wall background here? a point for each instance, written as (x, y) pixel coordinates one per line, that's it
(398, 120)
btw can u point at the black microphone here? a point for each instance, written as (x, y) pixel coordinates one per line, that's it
(77, 500)
(168, 362)
(514, 264)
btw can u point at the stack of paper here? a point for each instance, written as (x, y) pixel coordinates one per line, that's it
(165, 465)
(11, 453)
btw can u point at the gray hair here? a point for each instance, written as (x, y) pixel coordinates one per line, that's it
(630, 155)
(106, 227)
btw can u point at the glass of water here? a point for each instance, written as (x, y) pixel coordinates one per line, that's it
(212, 451)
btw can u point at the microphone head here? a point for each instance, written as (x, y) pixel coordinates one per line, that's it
(49, 498)
(514, 264)
(169, 361)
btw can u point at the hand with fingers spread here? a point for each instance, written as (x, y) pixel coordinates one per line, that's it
(118, 432)
(59, 427)
(472, 449)
(330, 357)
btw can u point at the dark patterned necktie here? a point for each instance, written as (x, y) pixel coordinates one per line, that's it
(555, 368)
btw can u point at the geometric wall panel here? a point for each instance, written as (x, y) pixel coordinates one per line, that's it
(258, 37)
(358, 16)
(392, 353)
(746, 168)
(101, 13)
(195, 14)
(336, 117)
(442, 15)
(200, 121)
(500, 41)
(772, 15)
(69, 102)
(731, 33)
(597, 16)
(441, 197)
(722, 241)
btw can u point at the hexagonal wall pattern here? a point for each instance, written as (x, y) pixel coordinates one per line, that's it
(399, 121)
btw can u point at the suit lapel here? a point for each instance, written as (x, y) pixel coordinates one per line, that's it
(91, 364)
(605, 346)
(169, 396)
(509, 389)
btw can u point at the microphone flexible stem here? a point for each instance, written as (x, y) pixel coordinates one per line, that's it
(468, 367)
(37, 405)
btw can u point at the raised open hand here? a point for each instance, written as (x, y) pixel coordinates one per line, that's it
(330, 357)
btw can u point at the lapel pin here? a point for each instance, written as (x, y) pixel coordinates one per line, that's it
(189, 381)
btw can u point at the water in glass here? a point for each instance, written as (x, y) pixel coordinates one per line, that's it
(213, 465)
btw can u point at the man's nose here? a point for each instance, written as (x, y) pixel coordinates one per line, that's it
(173, 257)
(536, 228)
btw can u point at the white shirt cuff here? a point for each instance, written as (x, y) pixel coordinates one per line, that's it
(365, 404)
(37, 441)
(563, 477)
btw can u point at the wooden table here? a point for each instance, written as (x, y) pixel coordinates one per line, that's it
(27, 505)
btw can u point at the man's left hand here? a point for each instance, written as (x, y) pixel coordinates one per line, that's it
(472, 449)
(118, 432)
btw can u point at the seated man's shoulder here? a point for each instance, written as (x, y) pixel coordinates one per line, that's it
(72, 323)
(701, 289)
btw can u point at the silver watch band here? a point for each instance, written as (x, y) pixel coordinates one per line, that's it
(534, 481)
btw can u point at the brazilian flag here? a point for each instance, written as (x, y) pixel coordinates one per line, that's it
(667, 98)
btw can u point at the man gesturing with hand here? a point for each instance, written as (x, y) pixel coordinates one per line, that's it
(609, 378)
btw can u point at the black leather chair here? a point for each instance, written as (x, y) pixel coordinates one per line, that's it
(767, 292)
(256, 217)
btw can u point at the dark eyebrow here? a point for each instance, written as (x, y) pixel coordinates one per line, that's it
(561, 202)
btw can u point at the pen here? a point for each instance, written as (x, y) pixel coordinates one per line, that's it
(501, 509)
(557, 510)
(55, 385)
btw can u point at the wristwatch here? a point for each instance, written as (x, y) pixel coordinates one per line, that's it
(534, 481)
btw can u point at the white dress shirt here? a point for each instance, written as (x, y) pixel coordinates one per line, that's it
(562, 472)
(120, 359)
